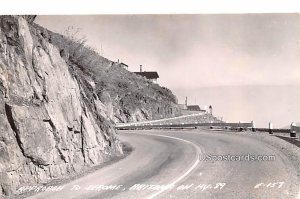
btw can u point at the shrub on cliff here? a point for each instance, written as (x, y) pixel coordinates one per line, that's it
(133, 97)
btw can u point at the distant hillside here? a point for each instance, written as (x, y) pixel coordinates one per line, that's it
(127, 96)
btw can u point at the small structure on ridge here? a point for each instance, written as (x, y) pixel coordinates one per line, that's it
(151, 75)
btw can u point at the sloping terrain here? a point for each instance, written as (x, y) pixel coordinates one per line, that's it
(128, 97)
(58, 103)
(190, 119)
(184, 119)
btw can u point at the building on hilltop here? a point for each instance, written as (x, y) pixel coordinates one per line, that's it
(193, 108)
(151, 75)
(190, 109)
(182, 106)
(125, 66)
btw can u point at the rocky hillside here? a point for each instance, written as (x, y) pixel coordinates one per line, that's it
(59, 100)
(54, 119)
(127, 96)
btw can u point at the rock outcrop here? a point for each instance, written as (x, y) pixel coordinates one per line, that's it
(52, 120)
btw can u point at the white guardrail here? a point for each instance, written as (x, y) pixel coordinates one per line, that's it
(237, 126)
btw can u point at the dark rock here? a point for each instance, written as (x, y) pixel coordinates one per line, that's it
(42, 105)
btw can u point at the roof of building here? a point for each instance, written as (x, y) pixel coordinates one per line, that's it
(182, 106)
(148, 75)
(193, 108)
(124, 64)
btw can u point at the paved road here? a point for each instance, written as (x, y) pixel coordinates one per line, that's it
(171, 159)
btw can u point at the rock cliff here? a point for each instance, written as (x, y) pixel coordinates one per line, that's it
(53, 121)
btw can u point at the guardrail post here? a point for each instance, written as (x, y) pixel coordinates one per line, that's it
(196, 125)
(293, 132)
(240, 128)
(270, 128)
(253, 126)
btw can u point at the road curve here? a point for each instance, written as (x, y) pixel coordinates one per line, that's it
(171, 159)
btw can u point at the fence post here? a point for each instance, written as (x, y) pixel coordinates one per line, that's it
(293, 132)
(211, 127)
(240, 128)
(270, 128)
(253, 126)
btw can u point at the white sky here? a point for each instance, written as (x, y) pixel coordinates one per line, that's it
(191, 51)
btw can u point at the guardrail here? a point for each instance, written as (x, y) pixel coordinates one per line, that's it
(273, 130)
(292, 131)
(237, 126)
(295, 128)
(183, 125)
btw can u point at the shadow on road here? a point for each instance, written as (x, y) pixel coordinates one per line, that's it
(290, 140)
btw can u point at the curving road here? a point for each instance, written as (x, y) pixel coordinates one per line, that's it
(170, 162)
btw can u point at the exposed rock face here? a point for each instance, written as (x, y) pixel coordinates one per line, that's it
(52, 123)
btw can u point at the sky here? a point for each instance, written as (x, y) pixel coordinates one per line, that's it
(192, 52)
